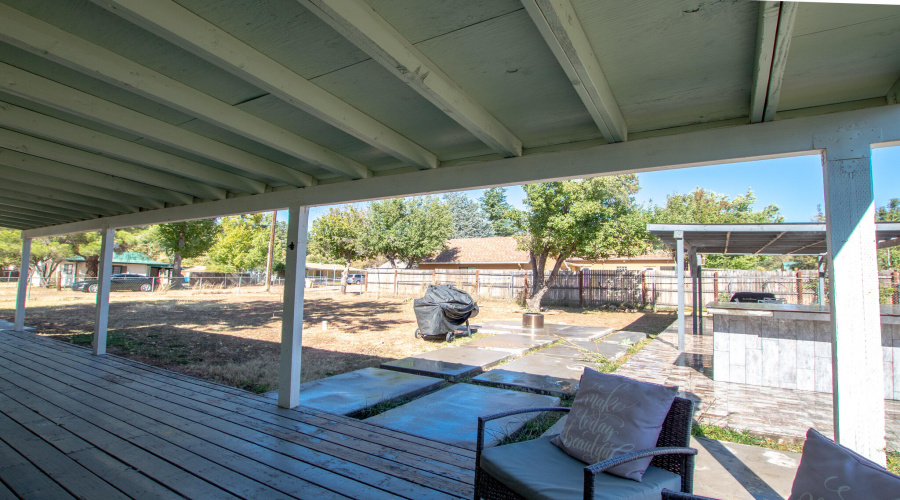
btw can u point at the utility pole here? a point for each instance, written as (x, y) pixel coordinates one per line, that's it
(271, 251)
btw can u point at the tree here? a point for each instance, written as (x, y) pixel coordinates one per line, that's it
(407, 229)
(889, 257)
(46, 255)
(499, 211)
(591, 218)
(10, 247)
(339, 234)
(242, 244)
(185, 240)
(706, 207)
(469, 220)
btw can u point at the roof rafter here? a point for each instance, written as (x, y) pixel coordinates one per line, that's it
(102, 205)
(49, 218)
(43, 181)
(93, 162)
(42, 208)
(727, 241)
(773, 42)
(15, 224)
(203, 39)
(805, 247)
(47, 92)
(33, 199)
(75, 53)
(773, 240)
(362, 26)
(893, 95)
(61, 131)
(36, 164)
(561, 29)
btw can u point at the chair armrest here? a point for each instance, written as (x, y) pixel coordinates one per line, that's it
(479, 445)
(599, 467)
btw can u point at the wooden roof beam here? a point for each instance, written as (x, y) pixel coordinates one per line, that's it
(34, 200)
(36, 215)
(559, 25)
(19, 204)
(893, 95)
(362, 26)
(40, 182)
(203, 39)
(49, 93)
(773, 42)
(60, 131)
(773, 240)
(36, 191)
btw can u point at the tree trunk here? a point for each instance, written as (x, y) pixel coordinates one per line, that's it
(91, 265)
(176, 258)
(344, 274)
(540, 283)
(533, 303)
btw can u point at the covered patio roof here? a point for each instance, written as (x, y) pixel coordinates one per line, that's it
(762, 239)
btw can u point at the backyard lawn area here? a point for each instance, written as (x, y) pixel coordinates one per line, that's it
(233, 338)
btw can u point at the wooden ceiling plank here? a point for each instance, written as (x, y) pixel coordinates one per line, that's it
(53, 203)
(19, 212)
(16, 225)
(49, 93)
(773, 42)
(36, 164)
(34, 146)
(78, 54)
(101, 204)
(361, 25)
(75, 188)
(561, 29)
(203, 39)
(42, 208)
(56, 130)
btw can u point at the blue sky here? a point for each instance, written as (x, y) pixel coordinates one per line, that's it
(794, 184)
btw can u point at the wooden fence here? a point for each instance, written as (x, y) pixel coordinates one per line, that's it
(589, 288)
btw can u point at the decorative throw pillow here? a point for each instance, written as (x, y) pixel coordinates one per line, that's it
(831, 471)
(612, 416)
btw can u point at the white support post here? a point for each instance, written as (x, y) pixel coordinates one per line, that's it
(679, 267)
(820, 291)
(692, 262)
(107, 242)
(22, 291)
(292, 318)
(859, 421)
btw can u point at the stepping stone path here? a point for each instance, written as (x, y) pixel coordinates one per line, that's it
(451, 363)
(575, 350)
(515, 344)
(549, 330)
(554, 375)
(625, 337)
(451, 415)
(361, 389)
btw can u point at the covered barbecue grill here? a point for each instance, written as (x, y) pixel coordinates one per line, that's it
(442, 311)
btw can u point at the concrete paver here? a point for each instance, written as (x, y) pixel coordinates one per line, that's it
(516, 344)
(451, 363)
(549, 330)
(354, 391)
(553, 375)
(626, 337)
(451, 415)
(573, 350)
(9, 325)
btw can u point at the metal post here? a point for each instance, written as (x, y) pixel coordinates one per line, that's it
(679, 267)
(692, 261)
(292, 315)
(700, 299)
(22, 286)
(107, 242)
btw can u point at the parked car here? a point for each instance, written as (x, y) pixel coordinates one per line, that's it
(119, 282)
(356, 279)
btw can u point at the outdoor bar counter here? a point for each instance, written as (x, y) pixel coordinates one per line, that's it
(789, 345)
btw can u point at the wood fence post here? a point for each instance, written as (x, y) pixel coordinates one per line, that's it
(799, 287)
(581, 287)
(395, 283)
(895, 280)
(477, 288)
(716, 286)
(366, 281)
(434, 276)
(643, 289)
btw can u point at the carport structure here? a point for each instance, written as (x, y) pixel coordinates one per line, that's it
(115, 113)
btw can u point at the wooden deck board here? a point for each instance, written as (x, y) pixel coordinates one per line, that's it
(144, 432)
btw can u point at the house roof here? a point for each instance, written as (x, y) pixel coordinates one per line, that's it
(496, 250)
(122, 113)
(129, 258)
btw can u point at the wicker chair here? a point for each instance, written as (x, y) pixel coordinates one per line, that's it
(673, 495)
(672, 453)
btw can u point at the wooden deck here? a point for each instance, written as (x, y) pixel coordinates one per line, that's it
(77, 425)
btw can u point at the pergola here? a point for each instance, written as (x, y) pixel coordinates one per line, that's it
(115, 113)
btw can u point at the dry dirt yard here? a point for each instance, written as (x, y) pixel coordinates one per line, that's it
(233, 338)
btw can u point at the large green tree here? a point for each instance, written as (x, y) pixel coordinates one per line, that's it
(592, 218)
(242, 244)
(469, 220)
(706, 207)
(10, 247)
(499, 212)
(185, 240)
(339, 234)
(888, 258)
(408, 229)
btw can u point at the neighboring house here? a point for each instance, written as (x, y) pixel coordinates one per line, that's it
(330, 271)
(502, 252)
(124, 262)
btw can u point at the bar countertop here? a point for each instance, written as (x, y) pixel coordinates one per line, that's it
(785, 311)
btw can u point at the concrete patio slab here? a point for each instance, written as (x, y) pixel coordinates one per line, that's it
(512, 343)
(9, 325)
(625, 336)
(361, 389)
(554, 375)
(566, 349)
(451, 363)
(549, 330)
(451, 415)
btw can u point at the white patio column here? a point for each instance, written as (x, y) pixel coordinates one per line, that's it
(679, 268)
(22, 291)
(292, 317)
(107, 242)
(695, 314)
(820, 286)
(855, 317)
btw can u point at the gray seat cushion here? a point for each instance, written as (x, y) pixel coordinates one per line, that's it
(538, 469)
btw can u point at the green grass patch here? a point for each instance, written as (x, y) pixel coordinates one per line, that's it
(534, 428)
